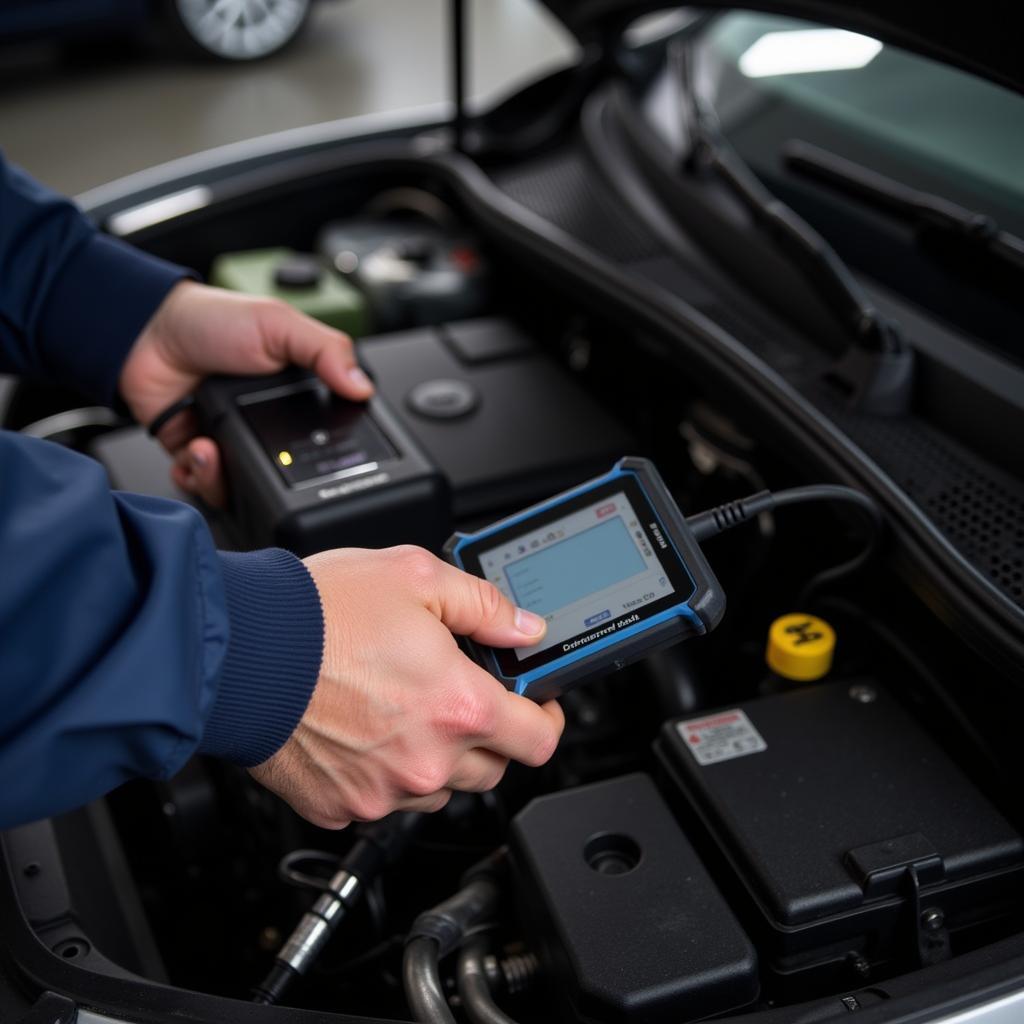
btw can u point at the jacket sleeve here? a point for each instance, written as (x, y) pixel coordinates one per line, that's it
(127, 642)
(72, 300)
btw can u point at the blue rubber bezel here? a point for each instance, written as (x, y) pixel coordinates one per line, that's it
(682, 611)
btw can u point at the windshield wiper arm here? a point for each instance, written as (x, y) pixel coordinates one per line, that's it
(909, 204)
(876, 373)
(707, 149)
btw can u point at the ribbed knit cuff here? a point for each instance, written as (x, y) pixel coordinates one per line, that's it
(273, 657)
(105, 294)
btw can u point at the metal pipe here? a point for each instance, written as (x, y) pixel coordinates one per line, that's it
(474, 989)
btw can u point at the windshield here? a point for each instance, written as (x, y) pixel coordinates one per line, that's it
(777, 85)
(922, 122)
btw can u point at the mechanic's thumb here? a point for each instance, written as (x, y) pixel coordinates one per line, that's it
(473, 607)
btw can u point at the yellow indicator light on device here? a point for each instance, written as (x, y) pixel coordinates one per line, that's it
(285, 458)
(800, 647)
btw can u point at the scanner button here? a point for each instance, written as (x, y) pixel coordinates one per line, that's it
(443, 399)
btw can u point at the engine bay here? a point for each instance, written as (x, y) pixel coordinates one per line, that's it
(722, 831)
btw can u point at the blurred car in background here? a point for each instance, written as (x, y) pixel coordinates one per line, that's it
(229, 30)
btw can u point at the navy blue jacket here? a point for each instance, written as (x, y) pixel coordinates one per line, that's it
(127, 643)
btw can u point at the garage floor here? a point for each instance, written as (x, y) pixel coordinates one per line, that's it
(79, 120)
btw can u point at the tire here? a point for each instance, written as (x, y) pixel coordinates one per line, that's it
(237, 30)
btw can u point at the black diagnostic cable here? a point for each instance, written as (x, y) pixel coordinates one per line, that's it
(377, 844)
(714, 521)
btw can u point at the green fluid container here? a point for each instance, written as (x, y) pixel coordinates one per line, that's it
(298, 279)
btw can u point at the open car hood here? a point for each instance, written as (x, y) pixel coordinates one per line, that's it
(983, 38)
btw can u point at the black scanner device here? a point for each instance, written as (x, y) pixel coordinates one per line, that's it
(308, 470)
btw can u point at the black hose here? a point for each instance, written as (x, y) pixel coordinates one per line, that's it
(422, 981)
(474, 989)
(436, 932)
(270, 990)
(377, 844)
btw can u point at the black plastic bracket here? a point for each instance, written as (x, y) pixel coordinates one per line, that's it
(880, 868)
(902, 866)
(928, 925)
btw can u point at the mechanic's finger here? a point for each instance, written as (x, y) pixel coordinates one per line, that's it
(470, 606)
(293, 337)
(197, 470)
(525, 731)
(477, 771)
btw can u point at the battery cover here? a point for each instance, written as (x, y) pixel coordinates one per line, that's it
(822, 798)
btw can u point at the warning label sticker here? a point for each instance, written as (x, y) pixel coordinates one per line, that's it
(721, 737)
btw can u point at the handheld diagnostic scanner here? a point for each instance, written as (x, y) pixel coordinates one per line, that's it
(309, 470)
(611, 565)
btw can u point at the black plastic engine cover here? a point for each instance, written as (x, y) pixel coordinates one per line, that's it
(502, 420)
(856, 838)
(627, 917)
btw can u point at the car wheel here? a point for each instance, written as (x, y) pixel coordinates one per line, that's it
(237, 30)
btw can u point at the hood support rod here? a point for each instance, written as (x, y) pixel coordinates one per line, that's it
(457, 9)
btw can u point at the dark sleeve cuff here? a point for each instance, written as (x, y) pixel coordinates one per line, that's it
(103, 297)
(273, 658)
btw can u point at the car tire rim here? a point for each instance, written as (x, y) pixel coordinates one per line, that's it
(242, 29)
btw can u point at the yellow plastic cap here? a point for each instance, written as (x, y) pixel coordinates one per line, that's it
(800, 647)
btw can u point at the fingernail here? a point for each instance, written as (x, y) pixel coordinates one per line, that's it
(528, 623)
(199, 460)
(358, 377)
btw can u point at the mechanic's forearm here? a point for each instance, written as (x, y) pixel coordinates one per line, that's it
(127, 642)
(72, 301)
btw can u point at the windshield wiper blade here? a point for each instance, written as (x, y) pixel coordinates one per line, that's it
(709, 150)
(923, 209)
(876, 372)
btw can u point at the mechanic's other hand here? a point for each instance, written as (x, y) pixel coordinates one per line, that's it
(197, 331)
(400, 716)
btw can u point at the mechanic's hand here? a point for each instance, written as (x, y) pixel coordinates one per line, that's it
(400, 716)
(199, 330)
